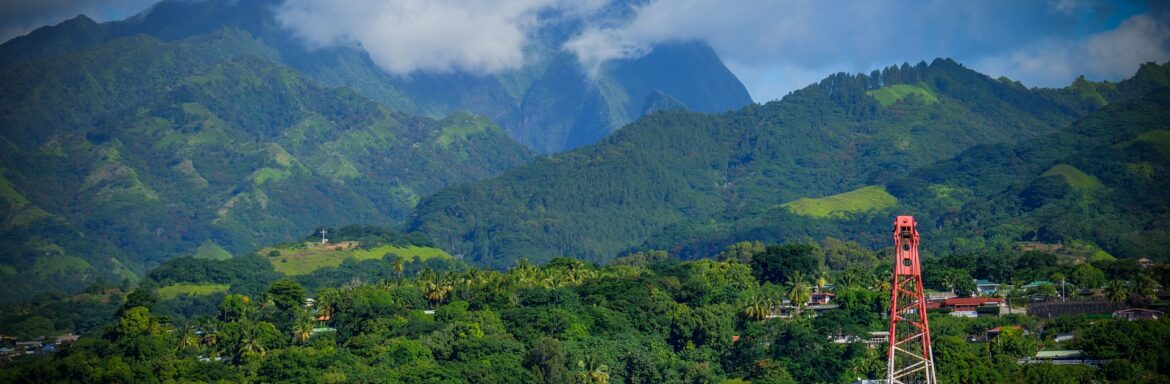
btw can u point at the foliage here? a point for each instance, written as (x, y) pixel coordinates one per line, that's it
(666, 321)
(694, 184)
(174, 147)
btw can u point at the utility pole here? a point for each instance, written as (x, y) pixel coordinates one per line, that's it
(911, 359)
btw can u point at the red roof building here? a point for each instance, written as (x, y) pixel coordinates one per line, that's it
(971, 303)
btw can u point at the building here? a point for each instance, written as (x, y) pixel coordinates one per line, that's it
(786, 309)
(939, 296)
(820, 298)
(969, 306)
(67, 338)
(875, 339)
(986, 287)
(1036, 284)
(1064, 357)
(1132, 314)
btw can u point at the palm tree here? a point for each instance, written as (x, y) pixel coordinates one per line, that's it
(303, 329)
(592, 372)
(1144, 285)
(846, 279)
(399, 267)
(1116, 291)
(798, 292)
(756, 306)
(327, 299)
(822, 278)
(210, 337)
(437, 292)
(186, 337)
(250, 343)
(950, 280)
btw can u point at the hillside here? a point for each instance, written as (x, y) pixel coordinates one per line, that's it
(548, 105)
(677, 168)
(1105, 171)
(305, 258)
(1100, 181)
(170, 146)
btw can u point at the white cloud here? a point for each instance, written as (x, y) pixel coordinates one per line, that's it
(404, 36)
(774, 46)
(778, 46)
(1108, 55)
(1118, 52)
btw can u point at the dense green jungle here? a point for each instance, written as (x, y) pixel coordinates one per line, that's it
(194, 195)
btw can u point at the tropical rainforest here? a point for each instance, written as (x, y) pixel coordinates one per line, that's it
(642, 318)
(193, 195)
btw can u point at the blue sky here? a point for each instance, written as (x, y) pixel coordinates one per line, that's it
(773, 46)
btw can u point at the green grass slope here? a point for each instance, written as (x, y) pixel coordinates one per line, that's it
(1160, 139)
(188, 289)
(860, 200)
(211, 251)
(304, 258)
(1075, 177)
(890, 94)
(1035, 190)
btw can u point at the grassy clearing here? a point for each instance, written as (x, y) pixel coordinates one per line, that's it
(59, 265)
(890, 94)
(1075, 177)
(266, 174)
(1160, 139)
(855, 201)
(211, 250)
(459, 127)
(188, 289)
(308, 257)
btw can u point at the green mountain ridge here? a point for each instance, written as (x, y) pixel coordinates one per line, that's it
(1096, 181)
(548, 105)
(173, 145)
(678, 178)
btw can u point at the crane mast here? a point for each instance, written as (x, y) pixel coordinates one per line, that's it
(911, 359)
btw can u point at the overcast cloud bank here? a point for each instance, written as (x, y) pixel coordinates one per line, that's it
(773, 46)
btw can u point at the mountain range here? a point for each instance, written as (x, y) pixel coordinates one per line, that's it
(838, 158)
(204, 127)
(549, 105)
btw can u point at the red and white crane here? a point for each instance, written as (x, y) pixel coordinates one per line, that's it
(911, 359)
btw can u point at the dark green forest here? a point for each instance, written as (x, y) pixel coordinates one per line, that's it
(205, 125)
(195, 194)
(964, 163)
(643, 318)
(223, 149)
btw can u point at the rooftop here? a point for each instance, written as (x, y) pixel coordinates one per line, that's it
(1065, 354)
(964, 301)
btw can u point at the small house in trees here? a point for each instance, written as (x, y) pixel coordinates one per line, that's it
(986, 287)
(969, 306)
(1132, 314)
(820, 298)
